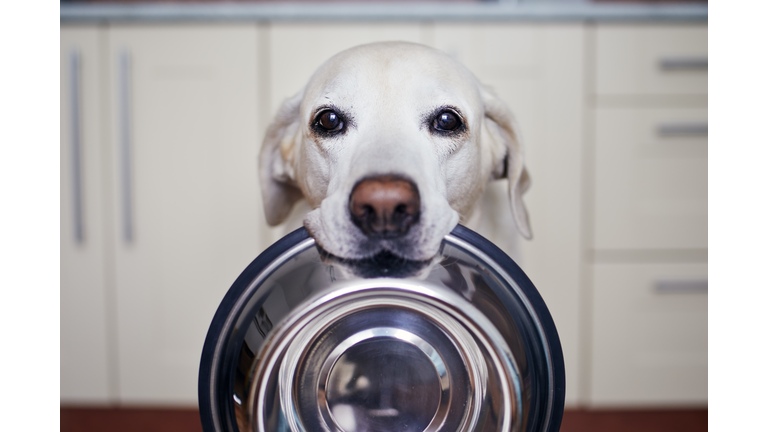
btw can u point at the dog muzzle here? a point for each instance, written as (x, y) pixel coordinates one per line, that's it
(304, 343)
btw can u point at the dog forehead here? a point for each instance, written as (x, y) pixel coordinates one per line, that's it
(390, 74)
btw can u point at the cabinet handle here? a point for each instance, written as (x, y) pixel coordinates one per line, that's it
(683, 63)
(680, 286)
(682, 128)
(124, 109)
(76, 142)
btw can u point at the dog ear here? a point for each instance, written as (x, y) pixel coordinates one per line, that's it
(507, 153)
(276, 162)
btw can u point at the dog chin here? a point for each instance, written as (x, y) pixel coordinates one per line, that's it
(421, 244)
(383, 264)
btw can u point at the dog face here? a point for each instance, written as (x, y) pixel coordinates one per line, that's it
(391, 144)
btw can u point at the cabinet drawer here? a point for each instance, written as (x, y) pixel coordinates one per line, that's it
(651, 178)
(651, 60)
(649, 334)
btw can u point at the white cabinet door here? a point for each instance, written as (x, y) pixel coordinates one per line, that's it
(85, 366)
(649, 335)
(538, 71)
(187, 206)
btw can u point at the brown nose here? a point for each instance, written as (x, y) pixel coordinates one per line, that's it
(385, 206)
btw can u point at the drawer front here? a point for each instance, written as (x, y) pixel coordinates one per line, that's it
(649, 334)
(651, 60)
(650, 178)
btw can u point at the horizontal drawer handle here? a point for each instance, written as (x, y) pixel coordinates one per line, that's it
(680, 286)
(683, 63)
(682, 128)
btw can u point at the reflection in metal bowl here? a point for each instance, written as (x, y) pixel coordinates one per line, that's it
(305, 342)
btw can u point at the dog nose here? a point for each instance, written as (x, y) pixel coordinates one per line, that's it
(385, 206)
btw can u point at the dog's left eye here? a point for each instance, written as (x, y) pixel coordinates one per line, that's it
(446, 121)
(329, 121)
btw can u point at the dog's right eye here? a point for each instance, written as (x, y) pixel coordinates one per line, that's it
(329, 121)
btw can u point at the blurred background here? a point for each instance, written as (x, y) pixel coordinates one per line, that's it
(163, 109)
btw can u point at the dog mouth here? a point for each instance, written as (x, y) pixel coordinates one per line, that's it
(383, 264)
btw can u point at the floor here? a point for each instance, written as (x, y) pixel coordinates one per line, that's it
(167, 420)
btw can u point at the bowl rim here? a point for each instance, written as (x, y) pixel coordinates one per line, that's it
(210, 366)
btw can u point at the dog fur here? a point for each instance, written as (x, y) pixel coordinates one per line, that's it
(388, 93)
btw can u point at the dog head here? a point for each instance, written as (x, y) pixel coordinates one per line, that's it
(391, 144)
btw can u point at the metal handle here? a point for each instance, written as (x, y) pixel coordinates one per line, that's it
(682, 128)
(680, 286)
(124, 82)
(76, 144)
(683, 63)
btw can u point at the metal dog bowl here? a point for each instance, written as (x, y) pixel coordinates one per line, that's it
(306, 342)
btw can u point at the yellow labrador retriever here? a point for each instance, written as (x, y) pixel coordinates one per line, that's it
(391, 144)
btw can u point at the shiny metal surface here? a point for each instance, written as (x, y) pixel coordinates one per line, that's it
(357, 322)
(384, 378)
(682, 128)
(686, 285)
(125, 143)
(75, 109)
(304, 342)
(684, 63)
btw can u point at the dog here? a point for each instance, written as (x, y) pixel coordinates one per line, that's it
(391, 144)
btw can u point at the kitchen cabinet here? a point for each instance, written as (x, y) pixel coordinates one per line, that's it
(647, 288)
(180, 138)
(537, 70)
(166, 209)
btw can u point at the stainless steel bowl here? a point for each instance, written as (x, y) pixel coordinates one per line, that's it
(306, 342)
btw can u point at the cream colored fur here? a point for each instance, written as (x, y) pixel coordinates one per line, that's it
(388, 89)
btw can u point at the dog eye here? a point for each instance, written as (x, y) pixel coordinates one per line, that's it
(329, 121)
(446, 121)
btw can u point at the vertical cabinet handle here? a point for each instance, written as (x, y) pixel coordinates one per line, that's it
(124, 113)
(76, 144)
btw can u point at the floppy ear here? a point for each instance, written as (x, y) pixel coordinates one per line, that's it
(278, 151)
(507, 150)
